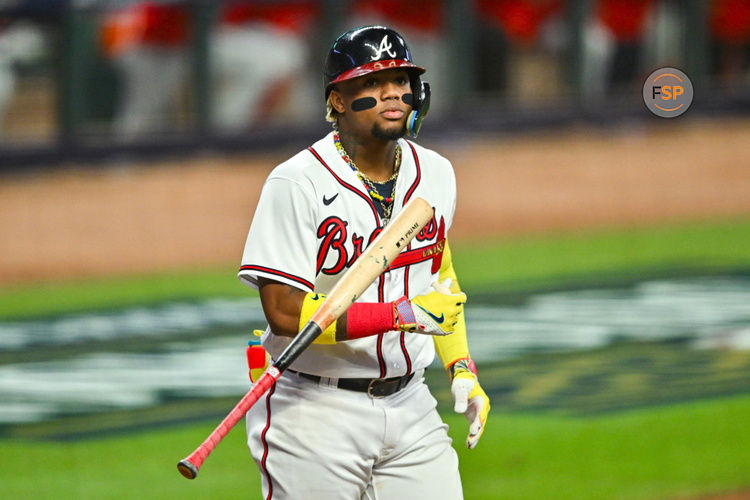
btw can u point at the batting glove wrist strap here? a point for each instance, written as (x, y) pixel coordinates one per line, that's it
(463, 365)
(369, 318)
(363, 319)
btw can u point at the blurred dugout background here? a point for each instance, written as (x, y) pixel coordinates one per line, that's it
(89, 78)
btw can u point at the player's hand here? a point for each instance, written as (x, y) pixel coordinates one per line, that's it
(433, 314)
(470, 399)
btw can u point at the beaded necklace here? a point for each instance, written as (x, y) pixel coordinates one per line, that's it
(385, 202)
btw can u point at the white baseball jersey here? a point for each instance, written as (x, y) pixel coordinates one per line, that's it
(315, 217)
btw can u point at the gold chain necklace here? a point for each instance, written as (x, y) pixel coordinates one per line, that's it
(385, 202)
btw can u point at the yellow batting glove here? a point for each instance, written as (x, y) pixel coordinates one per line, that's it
(435, 313)
(470, 399)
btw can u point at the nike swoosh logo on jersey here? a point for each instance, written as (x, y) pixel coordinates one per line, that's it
(438, 320)
(328, 201)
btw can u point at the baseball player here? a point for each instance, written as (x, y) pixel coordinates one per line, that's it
(352, 418)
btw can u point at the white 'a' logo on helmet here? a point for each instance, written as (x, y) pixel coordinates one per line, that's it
(386, 47)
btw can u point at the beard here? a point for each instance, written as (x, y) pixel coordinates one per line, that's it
(391, 134)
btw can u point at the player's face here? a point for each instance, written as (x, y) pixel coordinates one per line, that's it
(373, 104)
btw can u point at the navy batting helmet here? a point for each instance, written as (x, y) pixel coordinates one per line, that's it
(367, 49)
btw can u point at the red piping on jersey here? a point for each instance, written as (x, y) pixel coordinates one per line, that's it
(419, 174)
(348, 186)
(265, 443)
(381, 359)
(276, 272)
(406, 354)
(411, 256)
(381, 298)
(407, 358)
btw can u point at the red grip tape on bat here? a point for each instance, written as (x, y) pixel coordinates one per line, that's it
(189, 466)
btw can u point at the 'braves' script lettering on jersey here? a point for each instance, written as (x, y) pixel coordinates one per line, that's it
(334, 235)
(333, 232)
(429, 231)
(385, 46)
(357, 244)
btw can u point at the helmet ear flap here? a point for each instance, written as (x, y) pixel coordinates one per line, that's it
(420, 107)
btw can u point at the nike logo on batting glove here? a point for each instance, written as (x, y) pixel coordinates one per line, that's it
(438, 320)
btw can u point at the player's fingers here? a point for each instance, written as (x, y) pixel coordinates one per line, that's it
(473, 409)
(475, 432)
(460, 406)
(478, 418)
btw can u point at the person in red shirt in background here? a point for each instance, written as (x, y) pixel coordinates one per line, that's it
(421, 23)
(521, 21)
(625, 20)
(730, 39)
(518, 46)
(614, 42)
(148, 44)
(260, 70)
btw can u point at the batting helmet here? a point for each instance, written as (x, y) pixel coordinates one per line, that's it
(368, 49)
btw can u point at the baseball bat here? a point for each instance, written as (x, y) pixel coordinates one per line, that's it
(371, 264)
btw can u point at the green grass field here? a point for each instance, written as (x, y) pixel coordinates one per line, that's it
(663, 452)
(676, 450)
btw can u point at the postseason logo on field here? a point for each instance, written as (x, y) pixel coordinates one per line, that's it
(668, 92)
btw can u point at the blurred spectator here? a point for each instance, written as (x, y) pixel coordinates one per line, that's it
(625, 20)
(259, 56)
(147, 42)
(420, 22)
(518, 51)
(730, 35)
(521, 21)
(20, 42)
(664, 38)
(613, 52)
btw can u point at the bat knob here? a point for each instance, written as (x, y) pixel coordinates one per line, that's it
(187, 469)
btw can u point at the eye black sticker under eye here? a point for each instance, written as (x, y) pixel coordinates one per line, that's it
(363, 103)
(408, 99)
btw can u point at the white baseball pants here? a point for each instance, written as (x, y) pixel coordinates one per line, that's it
(312, 440)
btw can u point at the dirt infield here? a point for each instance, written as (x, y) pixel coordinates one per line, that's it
(181, 214)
